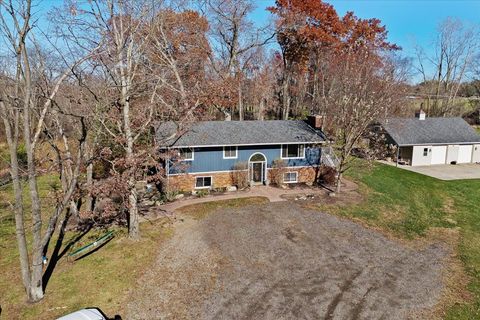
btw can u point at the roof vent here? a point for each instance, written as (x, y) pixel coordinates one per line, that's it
(420, 115)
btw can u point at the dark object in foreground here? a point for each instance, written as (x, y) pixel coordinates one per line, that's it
(88, 314)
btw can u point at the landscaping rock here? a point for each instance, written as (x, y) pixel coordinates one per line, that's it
(179, 196)
(332, 194)
(231, 188)
(148, 203)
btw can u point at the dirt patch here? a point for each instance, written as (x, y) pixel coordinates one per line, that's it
(326, 197)
(282, 261)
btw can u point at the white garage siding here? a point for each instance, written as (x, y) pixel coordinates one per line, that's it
(439, 154)
(422, 155)
(452, 153)
(465, 154)
(476, 154)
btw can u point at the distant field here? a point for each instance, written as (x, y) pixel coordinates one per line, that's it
(462, 105)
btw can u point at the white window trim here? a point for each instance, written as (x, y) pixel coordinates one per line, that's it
(211, 182)
(187, 159)
(236, 153)
(301, 157)
(296, 177)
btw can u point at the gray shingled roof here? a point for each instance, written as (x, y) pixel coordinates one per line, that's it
(412, 131)
(222, 133)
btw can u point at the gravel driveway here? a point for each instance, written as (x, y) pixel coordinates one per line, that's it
(281, 261)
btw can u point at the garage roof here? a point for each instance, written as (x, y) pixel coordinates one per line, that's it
(224, 133)
(431, 131)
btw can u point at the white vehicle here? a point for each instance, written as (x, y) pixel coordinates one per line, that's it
(85, 314)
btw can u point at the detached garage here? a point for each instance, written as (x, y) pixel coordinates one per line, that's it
(423, 141)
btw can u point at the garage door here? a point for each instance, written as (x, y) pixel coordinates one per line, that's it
(452, 154)
(439, 154)
(465, 154)
(476, 153)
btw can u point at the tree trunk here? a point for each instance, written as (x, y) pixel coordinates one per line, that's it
(286, 96)
(240, 102)
(261, 109)
(35, 292)
(18, 207)
(133, 223)
(89, 201)
(339, 183)
(89, 184)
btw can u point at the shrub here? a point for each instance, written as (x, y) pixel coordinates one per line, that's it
(239, 175)
(168, 196)
(328, 175)
(202, 193)
(277, 171)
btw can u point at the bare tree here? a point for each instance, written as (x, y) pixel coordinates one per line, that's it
(27, 96)
(117, 29)
(235, 37)
(151, 61)
(366, 88)
(444, 71)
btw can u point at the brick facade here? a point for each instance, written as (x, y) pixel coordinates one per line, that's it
(305, 174)
(186, 182)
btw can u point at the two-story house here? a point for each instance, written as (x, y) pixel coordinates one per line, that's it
(208, 152)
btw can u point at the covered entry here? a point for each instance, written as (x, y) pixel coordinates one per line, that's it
(257, 168)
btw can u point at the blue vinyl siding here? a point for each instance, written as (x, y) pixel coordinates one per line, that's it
(211, 158)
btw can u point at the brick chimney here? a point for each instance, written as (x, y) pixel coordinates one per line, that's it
(420, 115)
(315, 121)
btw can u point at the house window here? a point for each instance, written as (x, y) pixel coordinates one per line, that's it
(230, 152)
(293, 151)
(290, 177)
(425, 152)
(186, 153)
(203, 182)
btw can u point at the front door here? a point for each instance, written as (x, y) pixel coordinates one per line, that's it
(257, 172)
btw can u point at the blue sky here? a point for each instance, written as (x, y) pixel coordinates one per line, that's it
(406, 20)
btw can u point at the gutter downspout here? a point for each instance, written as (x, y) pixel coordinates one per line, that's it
(167, 167)
(398, 154)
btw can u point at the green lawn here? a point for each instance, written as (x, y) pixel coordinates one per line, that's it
(407, 204)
